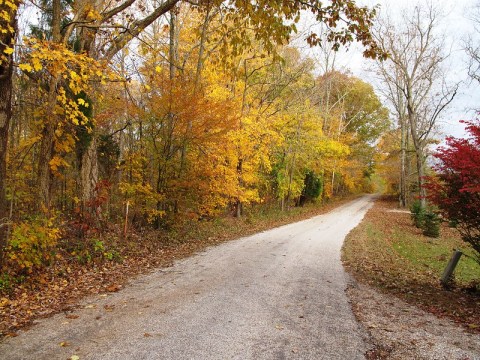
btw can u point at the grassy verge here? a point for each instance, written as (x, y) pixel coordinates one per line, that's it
(387, 251)
(107, 261)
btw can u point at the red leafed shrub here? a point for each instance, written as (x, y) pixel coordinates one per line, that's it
(456, 187)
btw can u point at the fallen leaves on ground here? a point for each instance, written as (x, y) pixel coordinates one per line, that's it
(370, 256)
(60, 287)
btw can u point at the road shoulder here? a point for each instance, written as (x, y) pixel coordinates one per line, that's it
(399, 330)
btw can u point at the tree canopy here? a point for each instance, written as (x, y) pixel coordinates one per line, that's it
(207, 112)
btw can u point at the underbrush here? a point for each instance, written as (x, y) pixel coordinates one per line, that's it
(103, 261)
(386, 250)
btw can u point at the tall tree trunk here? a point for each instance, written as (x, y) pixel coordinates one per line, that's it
(420, 161)
(5, 116)
(6, 86)
(89, 173)
(173, 45)
(403, 161)
(48, 133)
(419, 150)
(44, 156)
(89, 177)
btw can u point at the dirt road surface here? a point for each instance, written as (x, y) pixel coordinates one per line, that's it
(279, 294)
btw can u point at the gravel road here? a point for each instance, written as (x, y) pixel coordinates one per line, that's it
(279, 294)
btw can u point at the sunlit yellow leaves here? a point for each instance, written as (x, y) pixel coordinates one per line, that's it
(64, 144)
(25, 67)
(30, 243)
(37, 65)
(57, 162)
(82, 102)
(11, 4)
(142, 197)
(78, 70)
(8, 50)
(4, 15)
(93, 15)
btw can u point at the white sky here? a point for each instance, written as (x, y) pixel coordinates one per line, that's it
(457, 26)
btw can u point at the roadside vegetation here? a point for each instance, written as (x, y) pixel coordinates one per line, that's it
(105, 263)
(389, 252)
(135, 133)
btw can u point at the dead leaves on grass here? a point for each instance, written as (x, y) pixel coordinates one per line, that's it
(368, 253)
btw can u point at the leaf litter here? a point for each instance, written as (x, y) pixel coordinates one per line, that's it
(61, 286)
(422, 320)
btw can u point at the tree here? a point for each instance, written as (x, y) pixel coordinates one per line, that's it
(414, 81)
(456, 187)
(472, 47)
(353, 114)
(8, 24)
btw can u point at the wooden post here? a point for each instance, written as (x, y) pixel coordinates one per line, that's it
(448, 272)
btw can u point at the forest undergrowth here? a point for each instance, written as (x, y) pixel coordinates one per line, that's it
(107, 260)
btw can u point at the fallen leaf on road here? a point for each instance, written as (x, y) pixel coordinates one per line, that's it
(114, 288)
(64, 344)
(72, 316)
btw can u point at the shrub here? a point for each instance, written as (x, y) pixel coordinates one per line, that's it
(418, 214)
(431, 224)
(31, 244)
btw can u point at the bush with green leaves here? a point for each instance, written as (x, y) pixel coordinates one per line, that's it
(418, 214)
(431, 224)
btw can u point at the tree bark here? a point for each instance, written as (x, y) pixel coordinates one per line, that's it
(6, 73)
(418, 145)
(403, 166)
(420, 160)
(44, 173)
(48, 134)
(89, 176)
(7, 39)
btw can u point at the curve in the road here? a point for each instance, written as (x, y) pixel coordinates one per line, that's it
(279, 294)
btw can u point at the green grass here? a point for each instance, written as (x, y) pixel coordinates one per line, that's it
(433, 254)
(388, 252)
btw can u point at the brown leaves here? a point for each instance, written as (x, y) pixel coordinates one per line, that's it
(113, 288)
(71, 316)
(376, 255)
(60, 287)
